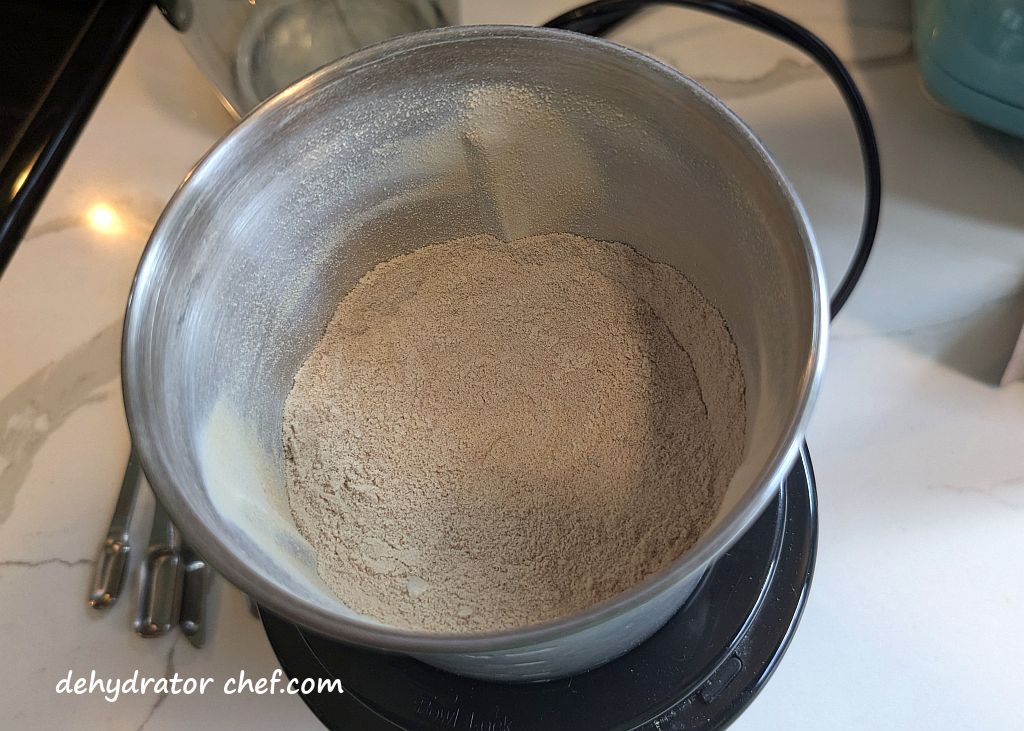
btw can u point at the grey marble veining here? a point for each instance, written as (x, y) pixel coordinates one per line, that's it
(1007, 493)
(45, 562)
(787, 71)
(169, 671)
(40, 404)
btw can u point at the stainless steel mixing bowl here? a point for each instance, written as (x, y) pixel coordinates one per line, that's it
(511, 131)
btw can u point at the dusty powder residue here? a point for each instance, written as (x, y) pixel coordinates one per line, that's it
(517, 141)
(495, 434)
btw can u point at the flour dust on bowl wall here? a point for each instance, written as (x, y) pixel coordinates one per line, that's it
(389, 366)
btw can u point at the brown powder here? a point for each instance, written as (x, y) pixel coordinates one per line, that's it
(495, 434)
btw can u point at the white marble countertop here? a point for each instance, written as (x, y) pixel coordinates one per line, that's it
(913, 620)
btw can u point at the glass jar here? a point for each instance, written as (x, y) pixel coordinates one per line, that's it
(251, 49)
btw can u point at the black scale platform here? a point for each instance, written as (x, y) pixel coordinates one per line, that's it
(698, 672)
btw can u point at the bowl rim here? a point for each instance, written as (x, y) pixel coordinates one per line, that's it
(226, 558)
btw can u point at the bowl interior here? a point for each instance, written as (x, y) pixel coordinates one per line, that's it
(508, 131)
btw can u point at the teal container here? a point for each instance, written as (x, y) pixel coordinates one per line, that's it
(971, 54)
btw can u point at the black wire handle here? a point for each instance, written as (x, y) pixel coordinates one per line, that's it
(599, 17)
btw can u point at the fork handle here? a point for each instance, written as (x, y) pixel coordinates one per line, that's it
(112, 560)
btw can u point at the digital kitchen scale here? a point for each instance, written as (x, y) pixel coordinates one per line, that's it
(698, 672)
